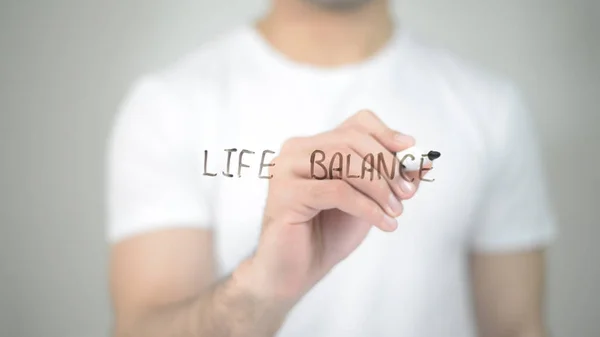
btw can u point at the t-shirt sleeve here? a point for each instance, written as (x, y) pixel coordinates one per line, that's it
(152, 174)
(516, 212)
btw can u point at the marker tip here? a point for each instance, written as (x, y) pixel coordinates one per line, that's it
(432, 155)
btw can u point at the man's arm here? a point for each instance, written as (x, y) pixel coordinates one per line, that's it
(163, 284)
(162, 280)
(508, 291)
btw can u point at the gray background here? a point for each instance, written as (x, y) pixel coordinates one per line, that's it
(65, 65)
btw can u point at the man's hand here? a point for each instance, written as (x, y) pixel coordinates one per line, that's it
(310, 225)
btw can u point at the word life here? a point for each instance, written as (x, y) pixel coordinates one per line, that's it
(240, 165)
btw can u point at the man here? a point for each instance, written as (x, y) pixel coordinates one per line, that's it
(203, 245)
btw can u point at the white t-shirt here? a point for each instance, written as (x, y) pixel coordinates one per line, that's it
(236, 91)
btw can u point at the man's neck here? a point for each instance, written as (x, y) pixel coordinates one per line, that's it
(308, 34)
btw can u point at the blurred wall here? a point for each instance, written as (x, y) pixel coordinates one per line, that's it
(66, 64)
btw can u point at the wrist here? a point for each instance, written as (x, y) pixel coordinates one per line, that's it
(252, 278)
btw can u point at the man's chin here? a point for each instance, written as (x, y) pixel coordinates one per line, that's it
(340, 5)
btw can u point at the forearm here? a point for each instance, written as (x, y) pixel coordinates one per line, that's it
(531, 330)
(534, 332)
(235, 306)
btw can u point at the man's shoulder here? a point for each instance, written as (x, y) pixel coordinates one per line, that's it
(195, 79)
(178, 94)
(485, 97)
(457, 73)
(482, 103)
(207, 61)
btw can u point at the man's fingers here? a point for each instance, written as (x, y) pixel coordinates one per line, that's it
(369, 185)
(364, 179)
(338, 194)
(415, 177)
(386, 163)
(368, 122)
(321, 149)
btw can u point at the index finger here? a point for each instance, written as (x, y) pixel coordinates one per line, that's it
(367, 121)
